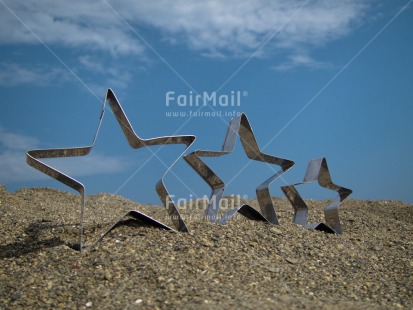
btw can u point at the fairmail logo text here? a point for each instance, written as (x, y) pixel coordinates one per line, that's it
(232, 99)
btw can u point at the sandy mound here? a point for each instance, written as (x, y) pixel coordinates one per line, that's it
(244, 264)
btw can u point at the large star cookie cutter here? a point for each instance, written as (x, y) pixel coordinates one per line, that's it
(135, 142)
(239, 126)
(317, 170)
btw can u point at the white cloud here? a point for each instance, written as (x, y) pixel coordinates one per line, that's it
(97, 75)
(15, 141)
(90, 63)
(239, 27)
(92, 164)
(108, 75)
(81, 24)
(12, 74)
(215, 28)
(13, 166)
(301, 60)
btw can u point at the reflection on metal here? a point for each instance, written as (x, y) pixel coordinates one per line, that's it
(317, 170)
(238, 126)
(135, 142)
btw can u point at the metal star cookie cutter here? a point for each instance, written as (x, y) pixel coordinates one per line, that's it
(135, 142)
(239, 126)
(317, 170)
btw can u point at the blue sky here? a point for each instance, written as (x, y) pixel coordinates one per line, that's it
(316, 78)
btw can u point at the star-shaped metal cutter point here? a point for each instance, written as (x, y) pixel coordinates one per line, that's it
(317, 170)
(238, 126)
(33, 159)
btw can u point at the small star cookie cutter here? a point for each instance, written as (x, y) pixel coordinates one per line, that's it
(317, 170)
(33, 159)
(239, 126)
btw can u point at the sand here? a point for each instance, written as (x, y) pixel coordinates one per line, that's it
(244, 264)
